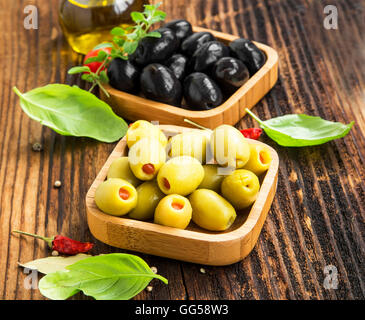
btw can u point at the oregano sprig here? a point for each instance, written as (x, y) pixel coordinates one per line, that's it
(125, 42)
(96, 78)
(127, 39)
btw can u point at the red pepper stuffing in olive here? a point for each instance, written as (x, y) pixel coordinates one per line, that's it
(148, 168)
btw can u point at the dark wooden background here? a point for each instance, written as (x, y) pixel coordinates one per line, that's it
(317, 217)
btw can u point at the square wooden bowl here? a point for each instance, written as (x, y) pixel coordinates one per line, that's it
(134, 107)
(193, 244)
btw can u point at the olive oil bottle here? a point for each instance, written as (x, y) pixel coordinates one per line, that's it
(86, 23)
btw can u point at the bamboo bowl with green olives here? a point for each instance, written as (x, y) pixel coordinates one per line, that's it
(182, 193)
(134, 105)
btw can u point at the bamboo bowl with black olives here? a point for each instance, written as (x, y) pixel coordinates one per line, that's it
(193, 244)
(230, 111)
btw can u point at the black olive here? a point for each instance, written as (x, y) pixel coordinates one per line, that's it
(160, 84)
(152, 50)
(230, 73)
(248, 53)
(208, 54)
(182, 28)
(123, 75)
(201, 92)
(177, 64)
(193, 42)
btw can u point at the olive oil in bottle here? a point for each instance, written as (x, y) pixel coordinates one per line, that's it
(86, 23)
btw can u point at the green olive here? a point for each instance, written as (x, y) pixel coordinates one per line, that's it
(173, 211)
(116, 197)
(211, 211)
(191, 143)
(149, 195)
(241, 188)
(144, 129)
(212, 180)
(229, 147)
(146, 157)
(180, 175)
(260, 159)
(119, 168)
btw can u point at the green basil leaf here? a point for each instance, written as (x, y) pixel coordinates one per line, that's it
(59, 285)
(300, 130)
(72, 111)
(79, 69)
(114, 276)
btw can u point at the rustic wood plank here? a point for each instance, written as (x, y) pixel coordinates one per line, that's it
(317, 217)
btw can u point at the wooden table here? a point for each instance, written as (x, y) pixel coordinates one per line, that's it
(317, 217)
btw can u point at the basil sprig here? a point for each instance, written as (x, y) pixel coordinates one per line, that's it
(72, 111)
(114, 276)
(300, 130)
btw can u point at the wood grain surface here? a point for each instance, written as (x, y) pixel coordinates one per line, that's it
(317, 217)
